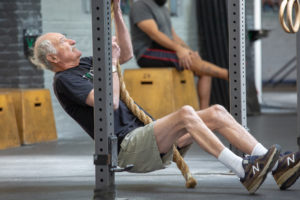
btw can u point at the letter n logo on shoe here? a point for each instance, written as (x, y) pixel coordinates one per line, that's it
(255, 168)
(292, 159)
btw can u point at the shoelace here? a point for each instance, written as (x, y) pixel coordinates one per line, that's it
(249, 160)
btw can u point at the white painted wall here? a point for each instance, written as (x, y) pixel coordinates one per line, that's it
(69, 17)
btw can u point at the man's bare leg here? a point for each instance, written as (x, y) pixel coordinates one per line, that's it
(184, 140)
(201, 67)
(222, 122)
(170, 128)
(204, 87)
(217, 118)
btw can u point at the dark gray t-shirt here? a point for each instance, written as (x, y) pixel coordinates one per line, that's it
(142, 10)
(72, 87)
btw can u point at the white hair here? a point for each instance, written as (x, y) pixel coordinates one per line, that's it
(44, 48)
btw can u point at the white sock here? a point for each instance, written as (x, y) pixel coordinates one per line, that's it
(260, 150)
(232, 161)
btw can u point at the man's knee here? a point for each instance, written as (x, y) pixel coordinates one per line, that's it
(186, 110)
(188, 114)
(218, 111)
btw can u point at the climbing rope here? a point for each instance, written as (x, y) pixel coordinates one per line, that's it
(288, 6)
(142, 116)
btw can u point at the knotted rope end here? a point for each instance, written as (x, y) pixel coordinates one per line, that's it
(191, 183)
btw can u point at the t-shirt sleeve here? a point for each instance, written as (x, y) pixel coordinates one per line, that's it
(76, 89)
(139, 12)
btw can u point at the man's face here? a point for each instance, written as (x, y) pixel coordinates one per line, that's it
(66, 50)
(67, 54)
(160, 2)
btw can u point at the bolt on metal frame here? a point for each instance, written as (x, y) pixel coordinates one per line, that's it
(237, 57)
(105, 141)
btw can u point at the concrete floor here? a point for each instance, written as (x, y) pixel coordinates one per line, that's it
(65, 170)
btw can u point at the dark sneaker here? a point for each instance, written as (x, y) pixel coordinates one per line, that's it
(288, 170)
(257, 168)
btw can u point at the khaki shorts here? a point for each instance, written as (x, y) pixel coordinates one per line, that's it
(139, 148)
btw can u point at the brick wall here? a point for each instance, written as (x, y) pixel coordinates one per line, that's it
(15, 70)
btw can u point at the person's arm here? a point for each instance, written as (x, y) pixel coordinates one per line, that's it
(178, 40)
(116, 93)
(149, 27)
(122, 34)
(116, 82)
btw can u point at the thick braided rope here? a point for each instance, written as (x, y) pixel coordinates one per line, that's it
(141, 115)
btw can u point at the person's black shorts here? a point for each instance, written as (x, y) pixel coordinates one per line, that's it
(158, 56)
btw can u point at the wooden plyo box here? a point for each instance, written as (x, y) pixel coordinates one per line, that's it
(34, 115)
(161, 91)
(9, 136)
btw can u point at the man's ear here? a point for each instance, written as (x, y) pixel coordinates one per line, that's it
(52, 58)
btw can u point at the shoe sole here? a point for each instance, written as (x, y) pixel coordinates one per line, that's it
(289, 177)
(268, 167)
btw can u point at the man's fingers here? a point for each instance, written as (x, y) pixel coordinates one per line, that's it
(189, 63)
(115, 50)
(185, 64)
(116, 2)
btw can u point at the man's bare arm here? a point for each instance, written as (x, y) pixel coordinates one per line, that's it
(116, 93)
(122, 34)
(116, 84)
(178, 40)
(149, 27)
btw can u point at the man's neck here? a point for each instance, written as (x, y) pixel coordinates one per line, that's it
(62, 68)
(59, 67)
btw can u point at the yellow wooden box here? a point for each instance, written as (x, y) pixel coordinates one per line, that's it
(9, 130)
(34, 114)
(161, 91)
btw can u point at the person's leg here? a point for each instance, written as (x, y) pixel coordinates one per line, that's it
(219, 119)
(170, 128)
(201, 67)
(184, 140)
(203, 88)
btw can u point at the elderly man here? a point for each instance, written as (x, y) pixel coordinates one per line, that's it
(149, 147)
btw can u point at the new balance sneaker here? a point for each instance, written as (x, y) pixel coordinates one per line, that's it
(257, 168)
(288, 170)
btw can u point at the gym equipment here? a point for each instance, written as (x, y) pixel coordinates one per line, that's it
(161, 91)
(34, 114)
(9, 130)
(288, 5)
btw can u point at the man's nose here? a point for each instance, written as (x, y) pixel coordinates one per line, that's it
(72, 42)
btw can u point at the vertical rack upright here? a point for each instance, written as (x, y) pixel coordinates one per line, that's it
(237, 55)
(104, 158)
